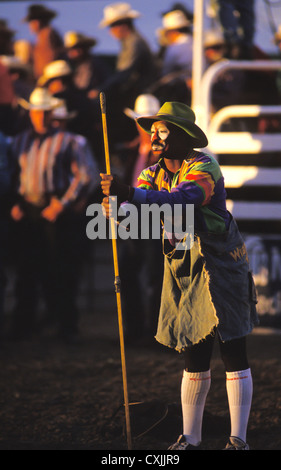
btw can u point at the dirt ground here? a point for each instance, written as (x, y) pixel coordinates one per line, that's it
(69, 397)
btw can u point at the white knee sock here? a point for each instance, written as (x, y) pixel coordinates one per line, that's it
(239, 386)
(194, 389)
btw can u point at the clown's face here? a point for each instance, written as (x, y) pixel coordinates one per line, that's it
(169, 141)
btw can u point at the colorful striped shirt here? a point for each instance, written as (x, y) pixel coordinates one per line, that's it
(57, 164)
(199, 181)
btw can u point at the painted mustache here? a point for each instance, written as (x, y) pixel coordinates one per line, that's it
(158, 146)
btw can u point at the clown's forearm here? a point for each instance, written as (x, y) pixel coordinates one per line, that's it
(181, 196)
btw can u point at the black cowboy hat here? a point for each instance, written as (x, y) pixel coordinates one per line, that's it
(39, 12)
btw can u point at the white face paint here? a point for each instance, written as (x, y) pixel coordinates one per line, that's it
(160, 130)
(159, 135)
(169, 141)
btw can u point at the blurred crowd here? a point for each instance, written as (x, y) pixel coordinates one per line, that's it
(51, 143)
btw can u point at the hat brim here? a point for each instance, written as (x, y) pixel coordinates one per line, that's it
(198, 137)
(29, 106)
(43, 81)
(131, 113)
(130, 16)
(83, 43)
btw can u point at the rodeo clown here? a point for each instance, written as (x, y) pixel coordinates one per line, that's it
(208, 289)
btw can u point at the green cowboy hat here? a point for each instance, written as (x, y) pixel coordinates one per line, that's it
(180, 115)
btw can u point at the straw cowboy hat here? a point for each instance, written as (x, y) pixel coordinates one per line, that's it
(39, 12)
(73, 39)
(117, 12)
(40, 99)
(56, 69)
(181, 116)
(213, 37)
(175, 20)
(144, 106)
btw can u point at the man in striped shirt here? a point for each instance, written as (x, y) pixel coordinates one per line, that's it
(206, 290)
(53, 174)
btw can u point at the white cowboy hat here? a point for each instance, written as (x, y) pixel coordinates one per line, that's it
(116, 12)
(56, 69)
(175, 20)
(145, 105)
(213, 37)
(40, 99)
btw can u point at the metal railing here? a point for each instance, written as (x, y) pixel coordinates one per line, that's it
(246, 143)
(210, 123)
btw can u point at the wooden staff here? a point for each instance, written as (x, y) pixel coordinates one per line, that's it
(117, 281)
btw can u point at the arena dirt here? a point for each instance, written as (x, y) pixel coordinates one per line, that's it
(70, 397)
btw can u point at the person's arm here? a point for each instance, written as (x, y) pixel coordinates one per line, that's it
(83, 178)
(197, 187)
(84, 171)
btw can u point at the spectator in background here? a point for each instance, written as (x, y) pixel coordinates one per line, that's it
(19, 73)
(176, 64)
(6, 38)
(49, 44)
(265, 88)
(214, 46)
(141, 286)
(237, 18)
(53, 171)
(7, 95)
(228, 87)
(7, 98)
(233, 87)
(58, 79)
(177, 34)
(135, 70)
(89, 71)
(144, 105)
